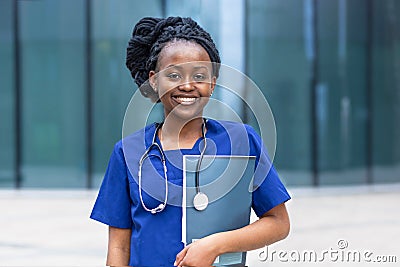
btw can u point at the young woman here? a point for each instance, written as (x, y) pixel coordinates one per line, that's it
(175, 61)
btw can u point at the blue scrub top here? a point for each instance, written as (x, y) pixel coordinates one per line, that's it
(157, 239)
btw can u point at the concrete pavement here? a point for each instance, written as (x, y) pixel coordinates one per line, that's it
(335, 226)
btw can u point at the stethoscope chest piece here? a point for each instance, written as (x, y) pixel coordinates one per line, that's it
(200, 201)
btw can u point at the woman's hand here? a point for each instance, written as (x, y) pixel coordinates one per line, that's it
(273, 226)
(201, 253)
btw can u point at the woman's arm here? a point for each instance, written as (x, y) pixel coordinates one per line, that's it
(119, 243)
(273, 226)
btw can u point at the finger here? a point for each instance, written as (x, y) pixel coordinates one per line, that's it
(181, 264)
(180, 256)
(184, 263)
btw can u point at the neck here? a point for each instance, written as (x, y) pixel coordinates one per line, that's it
(180, 134)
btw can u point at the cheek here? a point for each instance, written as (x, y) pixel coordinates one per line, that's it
(205, 89)
(164, 87)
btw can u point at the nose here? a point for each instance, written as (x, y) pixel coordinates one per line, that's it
(187, 85)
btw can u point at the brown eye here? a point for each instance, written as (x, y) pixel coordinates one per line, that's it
(199, 77)
(174, 76)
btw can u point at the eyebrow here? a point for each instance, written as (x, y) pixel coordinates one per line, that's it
(180, 67)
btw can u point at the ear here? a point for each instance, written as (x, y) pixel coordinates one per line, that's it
(212, 84)
(153, 80)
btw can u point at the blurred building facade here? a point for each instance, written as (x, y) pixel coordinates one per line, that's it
(330, 71)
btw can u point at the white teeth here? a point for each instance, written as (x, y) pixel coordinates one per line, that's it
(186, 99)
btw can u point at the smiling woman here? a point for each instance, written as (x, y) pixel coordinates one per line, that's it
(186, 79)
(174, 61)
(184, 82)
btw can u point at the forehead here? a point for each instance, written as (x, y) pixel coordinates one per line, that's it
(181, 52)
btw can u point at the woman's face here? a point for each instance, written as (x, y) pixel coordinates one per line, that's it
(184, 79)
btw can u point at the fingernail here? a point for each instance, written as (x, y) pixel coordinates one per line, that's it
(174, 263)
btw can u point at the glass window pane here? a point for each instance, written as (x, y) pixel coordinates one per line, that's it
(53, 75)
(386, 91)
(112, 82)
(7, 116)
(277, 60)
(341, 93)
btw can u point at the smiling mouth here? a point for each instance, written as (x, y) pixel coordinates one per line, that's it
(185, 100)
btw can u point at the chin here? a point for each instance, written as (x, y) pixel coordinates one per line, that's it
(184, 114)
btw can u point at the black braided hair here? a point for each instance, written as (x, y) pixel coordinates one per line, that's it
(150, 36)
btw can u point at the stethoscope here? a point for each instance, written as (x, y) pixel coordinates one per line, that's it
(200, 200)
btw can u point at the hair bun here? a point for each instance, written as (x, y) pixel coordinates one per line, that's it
(139, 47)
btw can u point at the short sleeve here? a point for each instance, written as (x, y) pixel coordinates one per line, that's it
(270, 191)
(269, 194)
(113, 204)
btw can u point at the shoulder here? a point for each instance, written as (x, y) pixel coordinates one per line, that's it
(135, 140)
(240, 138)
(232, 126)
(140, 136)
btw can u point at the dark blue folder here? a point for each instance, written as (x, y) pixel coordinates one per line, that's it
(227, 181)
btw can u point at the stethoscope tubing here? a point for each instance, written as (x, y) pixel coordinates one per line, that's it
(162, 206)
(146, 155)
(198, 165)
